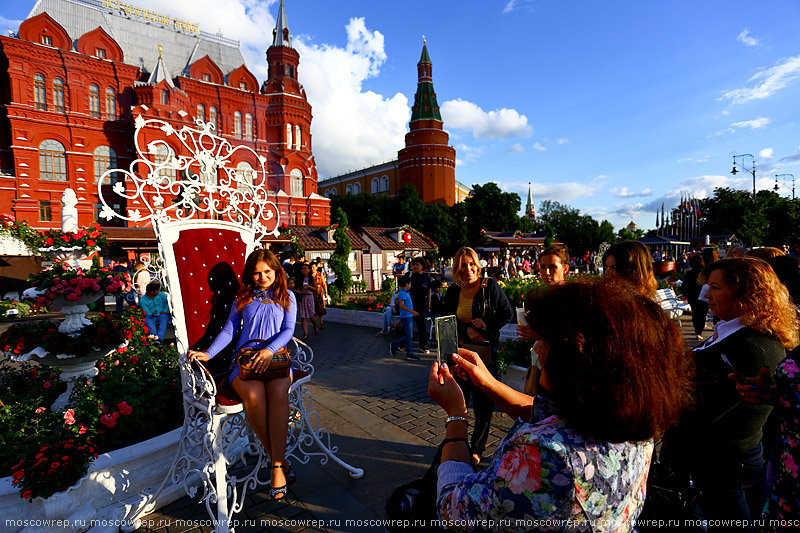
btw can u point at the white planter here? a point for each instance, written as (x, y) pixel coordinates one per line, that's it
(356, 318)
(116, 483)
(74, 311)
(514, 377)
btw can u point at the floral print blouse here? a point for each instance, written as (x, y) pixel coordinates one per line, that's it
(546, 477)
(784, 505)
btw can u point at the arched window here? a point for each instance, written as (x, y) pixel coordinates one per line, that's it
(384, 183)
(212, 117)
(164, 97)
(58, 95)
(52, 161)
(39, 93)
(104, 158)
(111, 104)
(165, 153)
(356, 188)
(248, 127)
(94, 101)
(297, 183)
(289, 136)
(348, 189)
(297, 137)
(244, 175)
(201, 112)
(374, 188)
(237, 125)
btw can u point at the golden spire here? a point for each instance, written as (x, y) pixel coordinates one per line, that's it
(159, 51)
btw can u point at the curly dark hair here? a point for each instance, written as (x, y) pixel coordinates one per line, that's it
(616, 365)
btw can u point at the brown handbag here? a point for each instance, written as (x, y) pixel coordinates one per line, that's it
(278, 367)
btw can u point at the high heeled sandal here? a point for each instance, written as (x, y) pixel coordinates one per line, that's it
(275, 491)
(289, 475)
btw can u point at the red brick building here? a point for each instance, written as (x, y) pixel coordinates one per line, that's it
(70, 92)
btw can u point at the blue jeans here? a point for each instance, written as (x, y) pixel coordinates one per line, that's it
(408, 329)
(157, 325)
(388, 319)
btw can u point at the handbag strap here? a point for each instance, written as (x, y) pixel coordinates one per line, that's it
(263, 341)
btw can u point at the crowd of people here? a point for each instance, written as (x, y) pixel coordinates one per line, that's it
(611, 382)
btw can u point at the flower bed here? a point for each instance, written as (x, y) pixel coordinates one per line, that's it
(375, 301)
(73, 283)
(135, 396)
(88, 239)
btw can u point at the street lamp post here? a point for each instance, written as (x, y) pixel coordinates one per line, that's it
(784, 176)
(752, 169)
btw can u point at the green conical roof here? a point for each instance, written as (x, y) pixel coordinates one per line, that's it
(425, 105)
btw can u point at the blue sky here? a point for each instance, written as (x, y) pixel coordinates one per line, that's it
(611, 107)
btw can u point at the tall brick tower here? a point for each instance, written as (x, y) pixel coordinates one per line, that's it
(288, 117)
(427, 161)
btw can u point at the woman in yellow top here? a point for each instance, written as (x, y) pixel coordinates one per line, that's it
(482, 308)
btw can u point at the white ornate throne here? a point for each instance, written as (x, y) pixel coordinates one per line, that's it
(208, 217)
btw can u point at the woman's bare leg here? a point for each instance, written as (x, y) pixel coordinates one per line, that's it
(305, 328)
(254, 396)
(278, 425)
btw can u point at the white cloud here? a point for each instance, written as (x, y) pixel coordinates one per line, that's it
(515, 148)
(561, 192)
(746, 39)
(497, 124)
(466, 154)
(537, 146)
(770, 81)
(511, 5)
(766, 153)
(562, 140)
(352, 128)
(703, 187)
(794, 157)
(623, 192)
(755, 124)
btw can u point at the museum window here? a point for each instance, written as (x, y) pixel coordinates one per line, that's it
(243, 85)
(100, 52)
(201, 112)
(105, 158)
(164, 97)
(244, 176)
(111, 104)
(348, 189)
(39, 93)
(94, 101)
(297, 183)
(375, 185)
(248, 127)
(212, 117)
(297, 137)
(165, 153)
(289, 136)
(45, 215)
(58, 95)
(237, 125)
(207, 77)
(356, 188)
(384, 183)
(52, 161)
(47, 40)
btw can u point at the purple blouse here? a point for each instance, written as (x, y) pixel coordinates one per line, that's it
(259, 320)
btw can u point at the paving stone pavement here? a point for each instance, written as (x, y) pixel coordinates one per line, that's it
(378, 413)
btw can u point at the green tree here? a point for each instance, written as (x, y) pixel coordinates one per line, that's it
(439, 224)
(408, 208)
(490, 208)
(626, 234)
(339, 258)
(363, 209)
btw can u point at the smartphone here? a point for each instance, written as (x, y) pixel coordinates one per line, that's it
(741, 378)
(446, 337)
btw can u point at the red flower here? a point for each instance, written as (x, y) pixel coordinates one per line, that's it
(55, 465)
(69, 417)
(47, 385)
(26, 494)
(65, 238)
(18, 475)
(49, 241)
(108, 421)
(124, 408)
(90, 242)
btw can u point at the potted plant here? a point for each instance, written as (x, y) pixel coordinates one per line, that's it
(514, 358)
